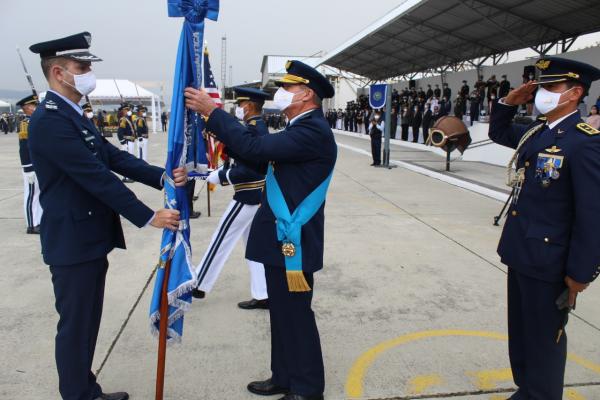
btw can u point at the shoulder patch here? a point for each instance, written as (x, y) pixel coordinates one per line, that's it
(51, 105)
(587, 129)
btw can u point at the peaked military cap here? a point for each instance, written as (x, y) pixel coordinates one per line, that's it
(125, 106)
(74, 47)
(555, 69)
(140, 107)
(250, 94)
(31, 99)
(299, 73)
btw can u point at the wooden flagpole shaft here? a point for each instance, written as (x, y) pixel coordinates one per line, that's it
(162, 335)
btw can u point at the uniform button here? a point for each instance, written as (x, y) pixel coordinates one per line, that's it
(546, 240)
(527, 163)
(514, 213)
(89, 213)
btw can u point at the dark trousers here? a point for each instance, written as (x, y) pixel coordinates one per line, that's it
(537, 361)
(416, 129)
(376, 148)
(190, 187)
(404, 132)
(296, 359)
(79, 294)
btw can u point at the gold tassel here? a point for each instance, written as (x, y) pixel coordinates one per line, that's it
(297, 282)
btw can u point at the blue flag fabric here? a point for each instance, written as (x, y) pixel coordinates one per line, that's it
(185, 129)
(377, 96)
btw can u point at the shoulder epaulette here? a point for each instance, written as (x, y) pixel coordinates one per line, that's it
(542, 118)
(253, 122)
(123, 123)
(587, 129)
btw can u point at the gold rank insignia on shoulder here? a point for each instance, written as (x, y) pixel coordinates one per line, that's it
(542, 118)
(554, 150)
(253, 122)
(543, 64)
(587, 129)
(288, 64)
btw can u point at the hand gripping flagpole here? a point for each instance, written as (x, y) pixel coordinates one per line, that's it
(175, 276)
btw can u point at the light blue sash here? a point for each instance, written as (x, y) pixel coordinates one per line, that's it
(289, 226)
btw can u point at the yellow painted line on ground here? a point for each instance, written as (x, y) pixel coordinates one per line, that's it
(356, 375)
(486, 380)
(498, 397)
(354, 383)
(573, 394)
(421, 383)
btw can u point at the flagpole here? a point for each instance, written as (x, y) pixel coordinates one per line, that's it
(208, 197)
(162, 334)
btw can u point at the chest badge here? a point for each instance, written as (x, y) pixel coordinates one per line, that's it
(548, 166)
(554, 150)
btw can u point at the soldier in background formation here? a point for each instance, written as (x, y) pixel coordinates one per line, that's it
(141, 128)
(31, 188)
(126, 132)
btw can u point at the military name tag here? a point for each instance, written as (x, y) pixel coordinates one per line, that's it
(288, 249)
(547, 168)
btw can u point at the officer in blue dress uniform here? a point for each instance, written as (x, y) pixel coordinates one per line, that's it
(550, 241)
(248, 181)
(82, 200)
(301, 159)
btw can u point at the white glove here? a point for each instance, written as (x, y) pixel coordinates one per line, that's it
(213, 177)
(30, 176)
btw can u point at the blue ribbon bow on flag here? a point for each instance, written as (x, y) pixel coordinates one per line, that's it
(185, 131)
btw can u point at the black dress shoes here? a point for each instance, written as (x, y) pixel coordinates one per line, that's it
(195, 214)
(254, 304)
(198, 294)
(291, 396)
(34, 230)
(266, 388)
(113, 396)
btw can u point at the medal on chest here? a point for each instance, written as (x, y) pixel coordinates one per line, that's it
(548, 166)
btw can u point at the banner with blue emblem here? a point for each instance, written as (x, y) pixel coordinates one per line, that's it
(377, 96)
(175, 271)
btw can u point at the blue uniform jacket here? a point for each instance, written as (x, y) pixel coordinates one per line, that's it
(81, 197)
(552, 231)
(303, 156)
(247, 177)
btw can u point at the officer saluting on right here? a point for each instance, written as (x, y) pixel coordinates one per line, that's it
(550, 241)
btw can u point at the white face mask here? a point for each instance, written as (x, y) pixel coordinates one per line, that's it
(84, 83)
(89, 114)
(144, 115)
(283, 99)
(546, 101)
(376, 118)
(239, 113)
(129, 113)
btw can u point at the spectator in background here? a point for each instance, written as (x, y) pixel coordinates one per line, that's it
(405, 121)
(475, 101)
(394, 120)
(417, 119)
(459, 106)
(427, 116)
(360, 121)
(100, 121)
(504, 87)
(376, 127)
(594, 118)
(163, 121)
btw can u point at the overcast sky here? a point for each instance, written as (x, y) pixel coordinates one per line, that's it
(138, 41)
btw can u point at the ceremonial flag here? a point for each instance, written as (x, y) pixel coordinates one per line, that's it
(175, 268)
(209, 82)
(377, 96)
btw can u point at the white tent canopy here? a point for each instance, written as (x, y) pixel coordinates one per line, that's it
(4, 104)
(117, 90)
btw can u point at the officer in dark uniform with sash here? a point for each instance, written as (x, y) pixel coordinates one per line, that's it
(31, 187)
(287, 233)
(248, 181)
(82, 199)
(550, 241)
